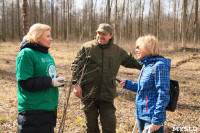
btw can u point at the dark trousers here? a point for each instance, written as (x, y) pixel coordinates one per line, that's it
(106, 111)
(143, 124)
(37, 121)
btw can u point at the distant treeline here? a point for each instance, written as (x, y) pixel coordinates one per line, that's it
(171, 20)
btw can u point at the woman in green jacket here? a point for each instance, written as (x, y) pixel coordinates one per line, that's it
(37, 82)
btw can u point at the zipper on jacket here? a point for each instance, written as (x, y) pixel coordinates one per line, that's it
(102, 71)
(109, 63)
(146, 102)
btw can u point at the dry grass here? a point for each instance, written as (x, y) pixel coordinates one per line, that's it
(187, 73)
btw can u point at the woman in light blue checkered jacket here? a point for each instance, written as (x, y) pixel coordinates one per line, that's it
(152, 90)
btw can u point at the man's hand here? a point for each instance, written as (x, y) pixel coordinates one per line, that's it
(154, 128)
(59, 81)
(77, 91)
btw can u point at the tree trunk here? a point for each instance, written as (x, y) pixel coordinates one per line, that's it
(91, 19)
(52, 18)
(12, 20)
(122, 19)
(25, 17)
(141, 23)
(158, 20)
(68, 19)
(196, 25)
(148, 24)
(108, 12)
(56, 23)
(3, 26)
(174, 19)
(127, 21)
(184, 22)
(188, 22)
(115, 23)
(34, 12)
(18, 19)
(41, 11)
(64, 22)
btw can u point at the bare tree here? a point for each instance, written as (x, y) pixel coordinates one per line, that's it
(3, 26)
(174, 21)
(68, 19)
(122, 19)
(56, 22)
(127, 21)
(91, 19)
(184, 22)
(196, 25)
(141, 20)
(41, 11)
(158, 19)
(115, 23)
(34, 11)
(25, 17)
(108, 12)
(64, 21)
(18, 19)
(189, 20)
(52, 17)
(12, 21)
(148, 23)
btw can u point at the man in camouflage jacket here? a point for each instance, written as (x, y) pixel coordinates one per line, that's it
(94, 71)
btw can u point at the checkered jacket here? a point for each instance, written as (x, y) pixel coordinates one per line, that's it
(152, 90)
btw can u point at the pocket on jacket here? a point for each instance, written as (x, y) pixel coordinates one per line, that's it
(87, 80)
(87, 86)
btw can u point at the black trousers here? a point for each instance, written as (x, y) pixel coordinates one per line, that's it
(37, 121)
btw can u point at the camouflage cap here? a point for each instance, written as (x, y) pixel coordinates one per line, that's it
(105, 28)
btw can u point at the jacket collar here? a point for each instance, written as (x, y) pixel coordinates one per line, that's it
(34, 46)
(105, 45)
(149, 58)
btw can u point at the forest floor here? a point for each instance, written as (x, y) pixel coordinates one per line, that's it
(185, 69)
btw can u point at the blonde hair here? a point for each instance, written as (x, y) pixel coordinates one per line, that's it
(36, 31)
(149, 43)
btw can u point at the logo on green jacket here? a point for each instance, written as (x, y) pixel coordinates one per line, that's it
(51, 70)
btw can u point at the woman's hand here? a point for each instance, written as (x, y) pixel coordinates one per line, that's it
(154, 128)
(58, 81)
(122, 83)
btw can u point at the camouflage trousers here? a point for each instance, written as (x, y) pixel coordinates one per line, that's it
(105, 110)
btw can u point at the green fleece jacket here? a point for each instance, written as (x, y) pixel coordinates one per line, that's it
(96, 66)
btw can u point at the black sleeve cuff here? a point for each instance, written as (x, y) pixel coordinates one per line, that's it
(36, 84)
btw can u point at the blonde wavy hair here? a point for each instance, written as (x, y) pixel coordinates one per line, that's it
(36, 31)
(149, 43)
